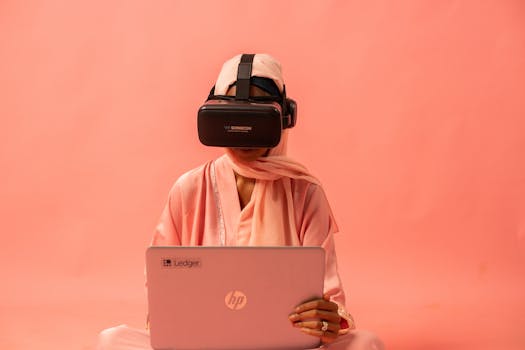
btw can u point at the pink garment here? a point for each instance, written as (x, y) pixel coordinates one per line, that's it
(272, 206)
(203, 209)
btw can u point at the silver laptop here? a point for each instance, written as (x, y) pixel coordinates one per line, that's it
(230, 297)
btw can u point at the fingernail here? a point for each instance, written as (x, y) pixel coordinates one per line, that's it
(297, 324)
(294, 317)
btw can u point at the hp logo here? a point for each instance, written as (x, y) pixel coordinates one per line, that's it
(235, 300)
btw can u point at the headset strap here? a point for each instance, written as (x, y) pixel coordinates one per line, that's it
(244, 73)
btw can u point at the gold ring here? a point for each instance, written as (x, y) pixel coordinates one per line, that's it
(325, 326)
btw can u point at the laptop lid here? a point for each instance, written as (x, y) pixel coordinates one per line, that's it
(230, 297)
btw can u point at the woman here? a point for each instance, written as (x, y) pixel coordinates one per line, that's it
(241, 197)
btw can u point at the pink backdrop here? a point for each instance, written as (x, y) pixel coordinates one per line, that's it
(410, 112)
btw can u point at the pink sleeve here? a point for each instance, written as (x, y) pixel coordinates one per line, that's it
(318, 229)
(167, 231)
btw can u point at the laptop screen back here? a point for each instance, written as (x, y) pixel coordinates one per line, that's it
(230, 297)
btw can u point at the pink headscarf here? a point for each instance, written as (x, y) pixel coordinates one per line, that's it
(273, 202)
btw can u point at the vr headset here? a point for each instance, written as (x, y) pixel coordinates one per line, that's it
(244, 121)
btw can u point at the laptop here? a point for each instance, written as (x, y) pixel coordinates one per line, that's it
(230, 297)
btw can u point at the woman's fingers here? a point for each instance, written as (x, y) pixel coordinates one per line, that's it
(318, 318)
(320, 304)
(319, 325)
(330, 316)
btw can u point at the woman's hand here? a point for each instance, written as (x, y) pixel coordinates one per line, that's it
(318, 318)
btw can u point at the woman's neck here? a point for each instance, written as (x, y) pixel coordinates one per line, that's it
(245, 187)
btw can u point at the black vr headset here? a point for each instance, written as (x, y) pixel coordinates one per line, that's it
(244, 121)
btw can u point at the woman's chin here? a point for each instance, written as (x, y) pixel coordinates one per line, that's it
(248, 154)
